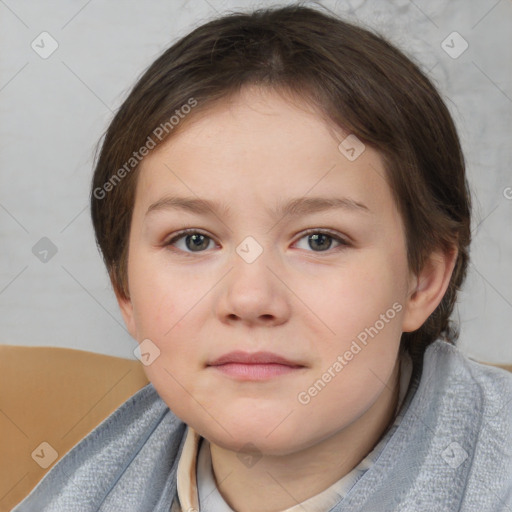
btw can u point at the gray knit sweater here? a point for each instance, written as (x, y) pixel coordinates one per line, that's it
(452, 451)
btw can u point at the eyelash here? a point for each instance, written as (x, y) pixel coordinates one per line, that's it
(343, 243)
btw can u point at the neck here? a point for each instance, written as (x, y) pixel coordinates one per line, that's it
(293, 478)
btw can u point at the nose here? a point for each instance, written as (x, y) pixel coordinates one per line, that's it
(252, 294)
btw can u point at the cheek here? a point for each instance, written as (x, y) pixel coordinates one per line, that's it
(354, 297)
(357, 361)
(366, 320)
(162, 310)
(163, 303)
(157, 294)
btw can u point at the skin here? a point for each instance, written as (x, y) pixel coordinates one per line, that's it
(251, 153)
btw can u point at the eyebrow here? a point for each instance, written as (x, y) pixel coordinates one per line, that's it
(294, 207)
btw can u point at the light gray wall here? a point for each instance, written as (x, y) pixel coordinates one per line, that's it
(53, 111)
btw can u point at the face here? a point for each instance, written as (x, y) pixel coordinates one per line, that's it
(291, 249)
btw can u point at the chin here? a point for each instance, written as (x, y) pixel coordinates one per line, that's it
(253, 440)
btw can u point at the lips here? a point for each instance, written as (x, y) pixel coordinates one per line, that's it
(254, 358)
(257, 366)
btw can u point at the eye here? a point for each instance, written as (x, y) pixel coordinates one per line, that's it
(321, 240)
(190, 240)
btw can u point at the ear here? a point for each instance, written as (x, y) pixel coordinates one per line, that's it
(428, 288)
(126, 307)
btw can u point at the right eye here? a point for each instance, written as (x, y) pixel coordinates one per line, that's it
(190, 240)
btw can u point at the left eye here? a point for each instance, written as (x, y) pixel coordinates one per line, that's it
(322, 240)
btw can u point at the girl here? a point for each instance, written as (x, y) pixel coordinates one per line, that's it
(282, 207)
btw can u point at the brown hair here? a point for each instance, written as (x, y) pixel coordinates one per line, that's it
(356, 78)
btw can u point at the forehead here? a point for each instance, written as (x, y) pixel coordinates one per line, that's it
(244, 123)
(261, 146)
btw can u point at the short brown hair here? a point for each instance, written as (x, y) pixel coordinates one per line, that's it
(354, 77)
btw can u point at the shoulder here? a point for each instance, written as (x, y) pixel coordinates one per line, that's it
(143, 413)
(474, 406)
(138, 444)
(467, 407)
(490, 386)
